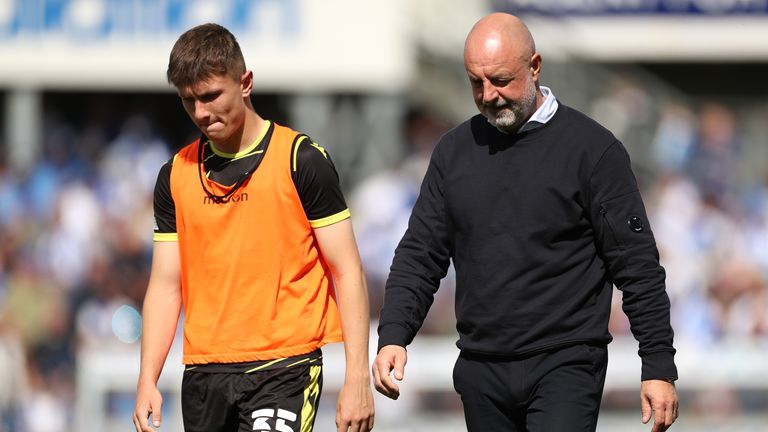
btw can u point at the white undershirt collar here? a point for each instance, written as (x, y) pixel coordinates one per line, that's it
(545, 112)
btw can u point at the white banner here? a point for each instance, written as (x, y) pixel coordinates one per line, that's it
(291, 45)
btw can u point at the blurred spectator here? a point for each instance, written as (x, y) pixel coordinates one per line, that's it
(713, 162)
(381, 205)
(129, 167)
(14, 390)
(624, 105)
(674, 139)
(626, 108)
(10, 198)
(740, 298)
(73, 239)
(676, 209)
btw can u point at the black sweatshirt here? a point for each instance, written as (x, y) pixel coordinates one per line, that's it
(539, 226)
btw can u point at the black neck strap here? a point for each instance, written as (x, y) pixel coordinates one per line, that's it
(201, 167)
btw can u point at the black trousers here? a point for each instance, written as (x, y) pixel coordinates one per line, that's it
(546, 392)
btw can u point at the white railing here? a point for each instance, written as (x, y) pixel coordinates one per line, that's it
(107, 375)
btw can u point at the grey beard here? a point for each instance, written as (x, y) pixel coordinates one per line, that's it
(508, 122)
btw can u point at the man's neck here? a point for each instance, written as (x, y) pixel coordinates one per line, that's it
(252, 128)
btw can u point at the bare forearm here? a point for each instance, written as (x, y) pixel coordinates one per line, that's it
(354, 409)
(337, 244)
(355, 322)
(160, 317)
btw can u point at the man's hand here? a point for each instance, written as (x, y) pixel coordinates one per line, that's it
(354, 410)
(148, 401)
(390, 357)
(659, 397)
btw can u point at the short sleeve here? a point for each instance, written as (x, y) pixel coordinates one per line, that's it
(317, 183)
(164, 207)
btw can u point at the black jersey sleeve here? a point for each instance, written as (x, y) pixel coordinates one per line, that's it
(317, 183)
(165, 208)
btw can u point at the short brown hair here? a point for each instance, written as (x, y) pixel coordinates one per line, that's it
(203, 51)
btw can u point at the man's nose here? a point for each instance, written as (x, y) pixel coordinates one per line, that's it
(489, 93)
(201, 110)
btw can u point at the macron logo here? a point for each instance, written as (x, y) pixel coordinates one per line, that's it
(234, 198)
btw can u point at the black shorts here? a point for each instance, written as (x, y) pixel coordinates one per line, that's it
(276, 395)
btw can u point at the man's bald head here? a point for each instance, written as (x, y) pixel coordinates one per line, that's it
(500, 31)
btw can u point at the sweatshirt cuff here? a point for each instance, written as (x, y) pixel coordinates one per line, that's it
(659, 365)
(394, 334)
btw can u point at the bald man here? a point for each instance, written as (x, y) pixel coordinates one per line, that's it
(538, 208)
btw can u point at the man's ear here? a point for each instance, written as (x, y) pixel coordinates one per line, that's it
(535, 65)
(246, 83)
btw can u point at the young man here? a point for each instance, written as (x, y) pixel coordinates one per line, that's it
(251, 233)
(537, 206)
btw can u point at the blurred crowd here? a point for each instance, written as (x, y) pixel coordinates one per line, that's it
(76, 233)
(75, 247)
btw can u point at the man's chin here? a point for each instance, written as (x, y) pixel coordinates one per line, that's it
(216, 135)
(503, 126)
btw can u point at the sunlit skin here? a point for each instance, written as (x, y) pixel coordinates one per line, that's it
(221, 108)
(503, 70)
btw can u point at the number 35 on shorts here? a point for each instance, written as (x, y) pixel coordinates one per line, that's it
(262, 419)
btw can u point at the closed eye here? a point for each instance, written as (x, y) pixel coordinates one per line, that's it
(208, 97)
(204, 98)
